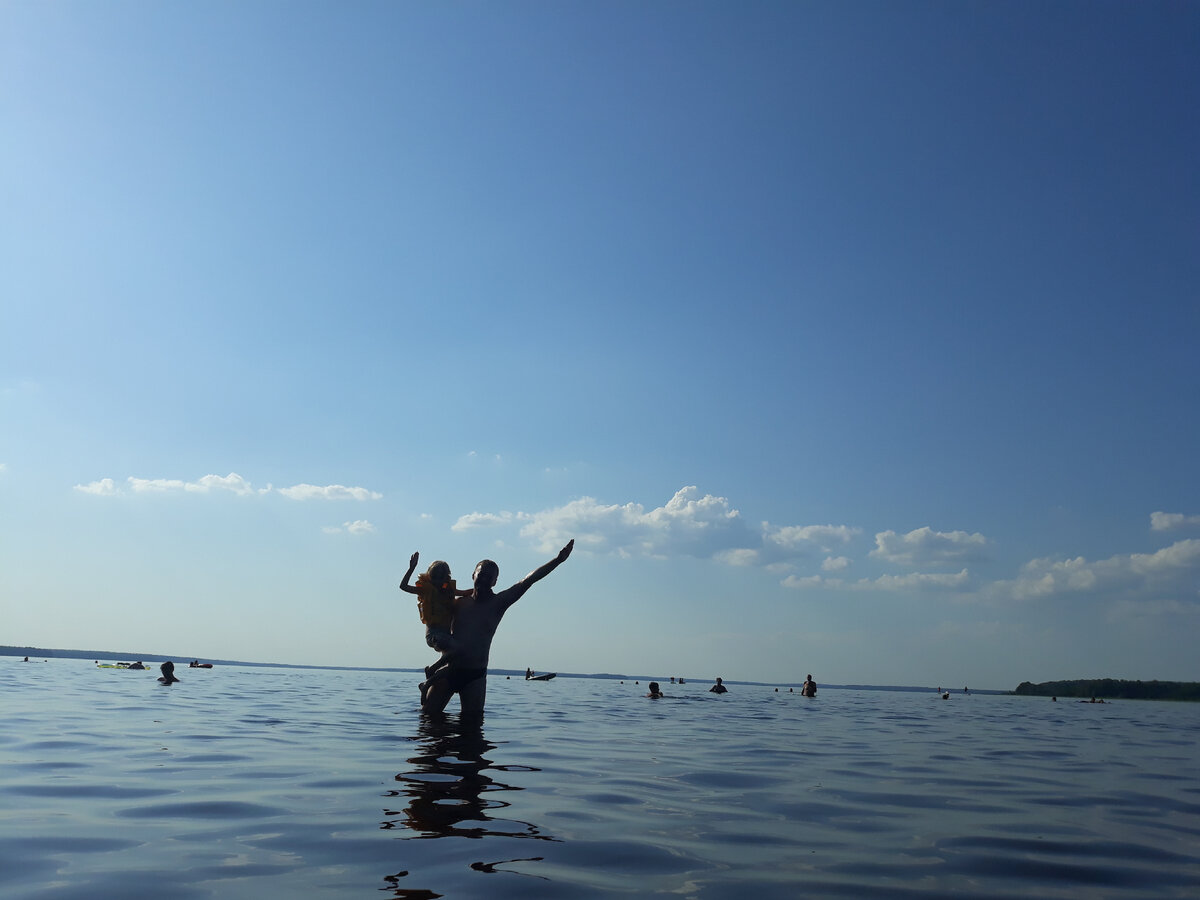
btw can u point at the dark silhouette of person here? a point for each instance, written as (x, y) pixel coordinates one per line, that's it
(476, 619)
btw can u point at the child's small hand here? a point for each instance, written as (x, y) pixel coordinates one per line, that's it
(412, 560)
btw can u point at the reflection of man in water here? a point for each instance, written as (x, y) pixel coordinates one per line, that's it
(476, 618)
(447, 790)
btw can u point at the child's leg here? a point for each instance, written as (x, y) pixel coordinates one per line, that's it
(444, 642)
(437, 666)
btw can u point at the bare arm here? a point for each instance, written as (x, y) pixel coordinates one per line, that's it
(412, 564)
(517, 591)
(542, 571)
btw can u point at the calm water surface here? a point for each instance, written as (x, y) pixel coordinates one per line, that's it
(264, 783)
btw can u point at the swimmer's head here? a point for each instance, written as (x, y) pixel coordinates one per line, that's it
(486, 573)
(438, 571)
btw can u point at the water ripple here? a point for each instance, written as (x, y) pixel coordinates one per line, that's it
(307, 783)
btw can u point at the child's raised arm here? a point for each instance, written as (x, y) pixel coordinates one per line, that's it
(412, 564)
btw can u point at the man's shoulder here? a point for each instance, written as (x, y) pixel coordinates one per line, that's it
(511, 595)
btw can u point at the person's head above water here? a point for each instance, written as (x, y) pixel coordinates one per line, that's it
(655, 691)
(486, 574)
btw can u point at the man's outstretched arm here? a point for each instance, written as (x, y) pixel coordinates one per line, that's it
(542, 571)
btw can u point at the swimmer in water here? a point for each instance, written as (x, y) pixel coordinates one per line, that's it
(168, 673)
(809, 688)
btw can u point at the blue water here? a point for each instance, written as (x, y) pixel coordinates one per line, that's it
(263, 783)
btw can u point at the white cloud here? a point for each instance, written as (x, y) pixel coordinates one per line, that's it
(688, 524)
(1180, 556)
(1161, 521)
(486, 520)
(738, 557)
(918, 581)
(154, 485)
(328, 492)
(924, 546)
(102, 488)
(232, 483)
(795, 537)
(913, 581)
(835, 564)
(1171, 570)
(358, 527)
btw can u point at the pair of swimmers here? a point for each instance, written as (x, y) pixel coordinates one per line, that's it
(460, 625)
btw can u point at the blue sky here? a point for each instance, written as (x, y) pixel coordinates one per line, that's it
(854, 339)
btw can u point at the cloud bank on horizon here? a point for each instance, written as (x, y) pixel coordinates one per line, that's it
(237, 485)
(233, 483)
(708, 526)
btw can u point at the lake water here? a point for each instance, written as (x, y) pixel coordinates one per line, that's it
(264, 783)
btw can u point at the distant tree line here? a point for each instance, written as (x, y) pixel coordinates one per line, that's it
(1113, 688)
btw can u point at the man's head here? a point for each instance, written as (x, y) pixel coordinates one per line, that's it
(486, 573)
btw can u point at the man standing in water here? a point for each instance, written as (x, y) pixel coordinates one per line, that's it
(476, 618)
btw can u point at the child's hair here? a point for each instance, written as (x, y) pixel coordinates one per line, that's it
(435, 595)
(438, 572)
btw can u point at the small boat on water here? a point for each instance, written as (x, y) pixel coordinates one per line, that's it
(544, 677)
(199, 665)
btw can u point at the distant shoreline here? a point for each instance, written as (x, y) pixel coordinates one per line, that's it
(1026, 688)
(1113, 689)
